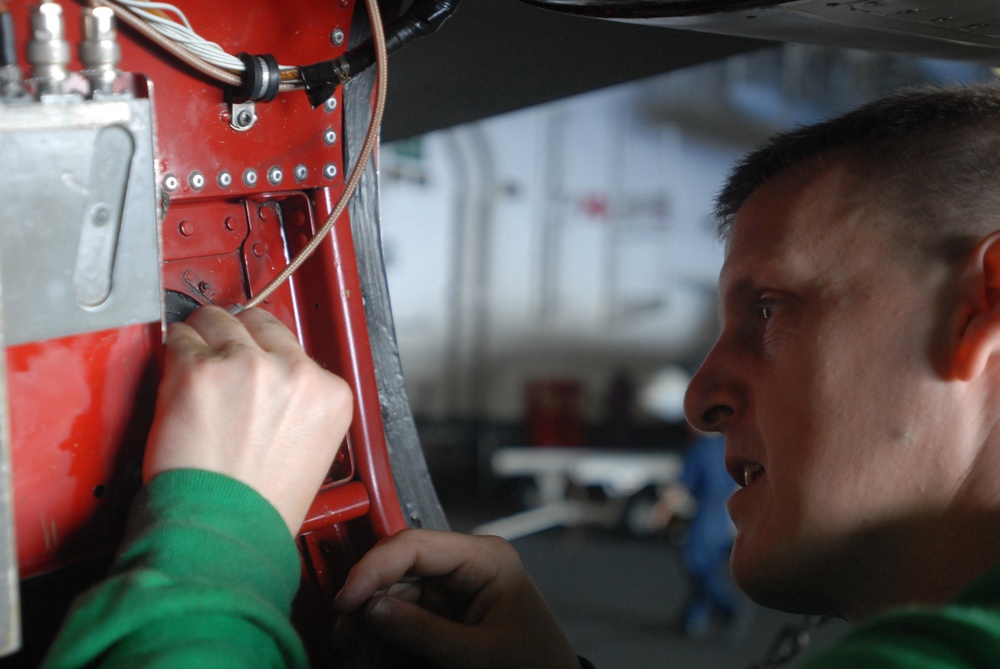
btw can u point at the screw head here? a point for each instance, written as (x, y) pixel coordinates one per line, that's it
(337, 37)
(244, 118)
(329, 170)
(250, 177)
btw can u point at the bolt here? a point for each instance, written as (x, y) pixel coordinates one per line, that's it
(330, 136)
(186, 228)
(275, 175)
(330, 104)
(204, 287)
(250, 177)
(337, 37)
(258, 250)
(197, 180)
(225, 179)
(329, 170)
(170, 182)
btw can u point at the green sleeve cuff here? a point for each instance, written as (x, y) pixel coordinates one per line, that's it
(184, 515)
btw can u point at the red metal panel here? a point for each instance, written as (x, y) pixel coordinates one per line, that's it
(80, 406)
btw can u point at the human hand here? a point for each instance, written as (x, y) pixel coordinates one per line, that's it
(240, 397)
(474, 605)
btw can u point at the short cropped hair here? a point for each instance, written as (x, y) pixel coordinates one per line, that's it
(932, 154)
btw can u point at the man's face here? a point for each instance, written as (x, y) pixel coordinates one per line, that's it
(823, 383)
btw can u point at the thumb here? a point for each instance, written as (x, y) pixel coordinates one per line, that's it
(415, 630)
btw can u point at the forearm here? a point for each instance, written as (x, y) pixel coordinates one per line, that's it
(205, 577)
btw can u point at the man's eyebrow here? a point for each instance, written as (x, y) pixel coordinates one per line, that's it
(741, 291)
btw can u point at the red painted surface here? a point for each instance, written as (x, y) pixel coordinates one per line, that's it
(81, 406)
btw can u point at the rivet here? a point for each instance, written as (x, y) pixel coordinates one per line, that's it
(250, 177)
(258, 250)
(170, 182)
(224, 179)
(264, 212)
(204, 286)
(329, 170)
(302, 239)
(186, 228)
(100, 215)
(230, 223)
(337, 37)
(301, 172)
(197, 180)
(330, 136)
(275, 175)
(330, 104)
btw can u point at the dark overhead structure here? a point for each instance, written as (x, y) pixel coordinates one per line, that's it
(495, 56)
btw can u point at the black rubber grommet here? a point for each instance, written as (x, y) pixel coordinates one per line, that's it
(273, 78)
(260, 80)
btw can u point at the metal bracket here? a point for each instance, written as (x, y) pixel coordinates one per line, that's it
(242, 115)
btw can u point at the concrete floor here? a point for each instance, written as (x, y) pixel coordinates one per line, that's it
(617, 598)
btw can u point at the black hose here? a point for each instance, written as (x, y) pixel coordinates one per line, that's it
(423, 18)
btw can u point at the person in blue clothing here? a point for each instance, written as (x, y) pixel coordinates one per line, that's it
(710, 534)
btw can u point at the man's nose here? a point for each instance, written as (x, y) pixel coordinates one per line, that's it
(712, 402)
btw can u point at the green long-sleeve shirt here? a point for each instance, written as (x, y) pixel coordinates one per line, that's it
(965, 634)
(205, 578)
(207, 573)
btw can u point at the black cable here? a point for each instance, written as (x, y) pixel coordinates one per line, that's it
(423, 18)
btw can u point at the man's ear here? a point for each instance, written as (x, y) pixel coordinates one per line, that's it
(976, 328)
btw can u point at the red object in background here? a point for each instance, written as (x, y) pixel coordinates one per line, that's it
(81, 406)
(555, 413)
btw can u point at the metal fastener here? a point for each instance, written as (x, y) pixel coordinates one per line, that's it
(170, 182)
(224, 179)
(330, 104)
(275, 175)
(329, 170)
(250, 177)
(258, 250)
(197, 180)
(100, 215)
(301, 172)
(330, 136)
(230, 223)
(337, 37)
(186, 228)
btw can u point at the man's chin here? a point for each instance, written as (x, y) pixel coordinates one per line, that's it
(781, 584)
